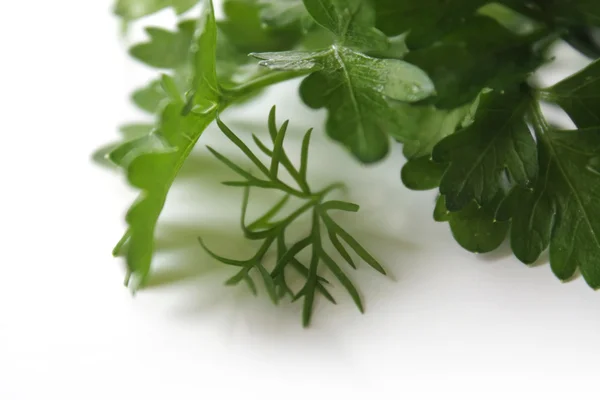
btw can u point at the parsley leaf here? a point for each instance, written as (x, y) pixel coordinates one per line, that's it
(479, 54)
(359, 86)
(150, 97)
(154, 169)
(134, 9)
(475, 228)
(166, 49)
(563, 210)
(426, 20)
(498, 141)
(447, 79)
(153, 161)
(245, 29)
(426, 126)
(360, 115)
(352, 21)
(579, 96)
(572, 12)
(422, 174)
(283, 13)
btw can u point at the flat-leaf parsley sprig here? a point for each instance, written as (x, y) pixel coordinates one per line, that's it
(452, 84)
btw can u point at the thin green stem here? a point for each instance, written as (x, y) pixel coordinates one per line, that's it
(258, 83)
(540, 125)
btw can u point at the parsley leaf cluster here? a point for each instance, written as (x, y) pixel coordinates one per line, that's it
(449, 80)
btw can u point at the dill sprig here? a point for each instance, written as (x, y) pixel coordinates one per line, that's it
(270, 229)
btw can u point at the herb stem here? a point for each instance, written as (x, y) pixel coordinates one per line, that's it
(540, 125)
(258, 83)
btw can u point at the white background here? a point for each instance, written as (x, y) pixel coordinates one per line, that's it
(447, 323)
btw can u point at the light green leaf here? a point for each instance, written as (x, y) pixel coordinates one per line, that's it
(283, 13)
(133, 9)
(128, 151)
(154, 170)
(150, 98)
(359, 87)
(358, 99)
(165, 49)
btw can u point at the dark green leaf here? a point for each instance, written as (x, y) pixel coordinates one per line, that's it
(474, 228)
(480, 155)
(480, 54)
(244, 28)
(352, 21)
(429, 20)
(579, 96)
(426, 20)
(572, 12)
(563, 210)
(422, 174)
(582, 40)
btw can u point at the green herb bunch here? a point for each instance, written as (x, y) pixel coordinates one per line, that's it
(452, 81)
